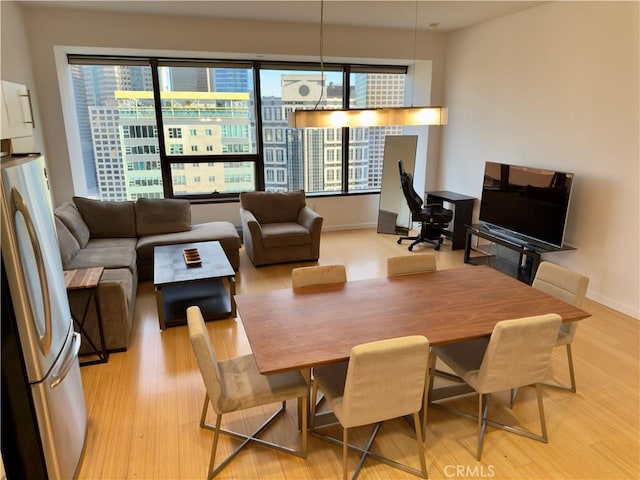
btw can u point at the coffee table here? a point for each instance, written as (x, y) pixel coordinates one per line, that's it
(210, 284)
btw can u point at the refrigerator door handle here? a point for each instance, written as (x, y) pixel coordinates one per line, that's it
(21, 206)
(58, 376)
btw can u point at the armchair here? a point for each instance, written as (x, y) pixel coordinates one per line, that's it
(279, 227)
(434, 218)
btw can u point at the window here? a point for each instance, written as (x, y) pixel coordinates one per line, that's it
(209, 114)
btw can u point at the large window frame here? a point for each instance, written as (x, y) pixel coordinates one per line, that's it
(177, 161)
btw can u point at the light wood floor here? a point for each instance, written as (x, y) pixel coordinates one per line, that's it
(144, 404)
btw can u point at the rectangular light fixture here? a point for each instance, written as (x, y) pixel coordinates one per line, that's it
(373, 117)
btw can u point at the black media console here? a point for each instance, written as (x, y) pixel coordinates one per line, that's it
(527, 255)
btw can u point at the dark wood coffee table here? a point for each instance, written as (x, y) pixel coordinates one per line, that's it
(210, 285)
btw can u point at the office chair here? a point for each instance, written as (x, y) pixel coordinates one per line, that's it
(434, 218)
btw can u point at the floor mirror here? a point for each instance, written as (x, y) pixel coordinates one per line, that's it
(393, 213)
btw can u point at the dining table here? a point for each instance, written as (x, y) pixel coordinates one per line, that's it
(301, 328)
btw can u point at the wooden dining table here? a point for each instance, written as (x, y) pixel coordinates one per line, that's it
(296, 329)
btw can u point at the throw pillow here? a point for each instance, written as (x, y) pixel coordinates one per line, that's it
(70, 216)
(67, 243)
(156, 216)
(107, 219)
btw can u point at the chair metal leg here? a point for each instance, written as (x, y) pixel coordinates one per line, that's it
(420, 442)
(482, 421)
(543, 423)
(571, 373)
(345, 451)
(366, 452)
(568, 388)
(246, 439)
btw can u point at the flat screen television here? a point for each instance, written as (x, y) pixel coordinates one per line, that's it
(526, 202)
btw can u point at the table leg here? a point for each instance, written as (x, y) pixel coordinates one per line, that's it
(160, 307)
(232, 293)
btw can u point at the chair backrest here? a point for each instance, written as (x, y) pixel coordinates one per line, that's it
(274, 207)
(318, 275)
(414, 201)
(385, 379)
(564, 284)
(206, 357)
(518, 353)
(419, 263)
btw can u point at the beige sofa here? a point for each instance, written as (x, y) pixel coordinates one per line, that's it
(120, 236)
(279, 227)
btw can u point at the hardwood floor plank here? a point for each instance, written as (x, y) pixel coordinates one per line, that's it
(144, 404)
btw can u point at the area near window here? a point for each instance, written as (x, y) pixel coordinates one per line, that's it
(209, 130)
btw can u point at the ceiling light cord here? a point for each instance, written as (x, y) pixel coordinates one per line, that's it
(415, 47)
(321, 54)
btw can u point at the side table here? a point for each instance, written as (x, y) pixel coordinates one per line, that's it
(86, 280)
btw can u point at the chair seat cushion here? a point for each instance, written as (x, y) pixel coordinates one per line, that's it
(284, 234)
(246, 387)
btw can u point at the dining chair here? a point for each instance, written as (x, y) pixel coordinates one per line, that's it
(570, 287)
(318, 275)
(405, 264)
(383, 380)
(517, 354)
(236, 384)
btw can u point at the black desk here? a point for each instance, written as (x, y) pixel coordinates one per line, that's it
(462, 214)
(529, 254)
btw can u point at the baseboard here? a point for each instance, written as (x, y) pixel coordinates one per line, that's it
(357, 226)
(614, 305)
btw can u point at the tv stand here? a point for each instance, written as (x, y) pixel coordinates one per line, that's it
(527, 255)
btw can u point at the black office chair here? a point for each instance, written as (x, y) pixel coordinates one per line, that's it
(434, 217)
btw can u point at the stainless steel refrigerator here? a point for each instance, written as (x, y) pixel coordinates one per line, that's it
(44, 416)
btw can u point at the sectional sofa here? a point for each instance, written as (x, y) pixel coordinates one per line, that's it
(120, 236)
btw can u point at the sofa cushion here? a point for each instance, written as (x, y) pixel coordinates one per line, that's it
(284, 234)
(106, 218)
(67, 243)
(108, 257)
(273, 207)
(70, 216)
(224, 232)
(129, 243)
(156, 216)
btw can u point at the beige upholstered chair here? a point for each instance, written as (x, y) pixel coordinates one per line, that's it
(318, 275)
(423, 262)
(235, 384)
(278, 227)
(570, 287)
(517, 354)
(382, 380)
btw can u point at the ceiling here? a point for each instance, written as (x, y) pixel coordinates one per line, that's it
(443, 16)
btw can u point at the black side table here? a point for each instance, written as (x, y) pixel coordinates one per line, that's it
(86, 280)
(462, 214)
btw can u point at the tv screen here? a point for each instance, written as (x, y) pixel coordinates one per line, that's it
(526, 201)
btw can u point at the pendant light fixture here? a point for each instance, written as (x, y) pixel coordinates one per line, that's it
(366, 117)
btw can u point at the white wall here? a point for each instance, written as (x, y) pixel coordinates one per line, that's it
(557, 87)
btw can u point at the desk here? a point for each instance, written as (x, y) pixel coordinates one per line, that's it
(86, 280)
(295, 329)
(462, 213)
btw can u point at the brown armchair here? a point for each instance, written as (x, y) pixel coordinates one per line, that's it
(279, 227)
